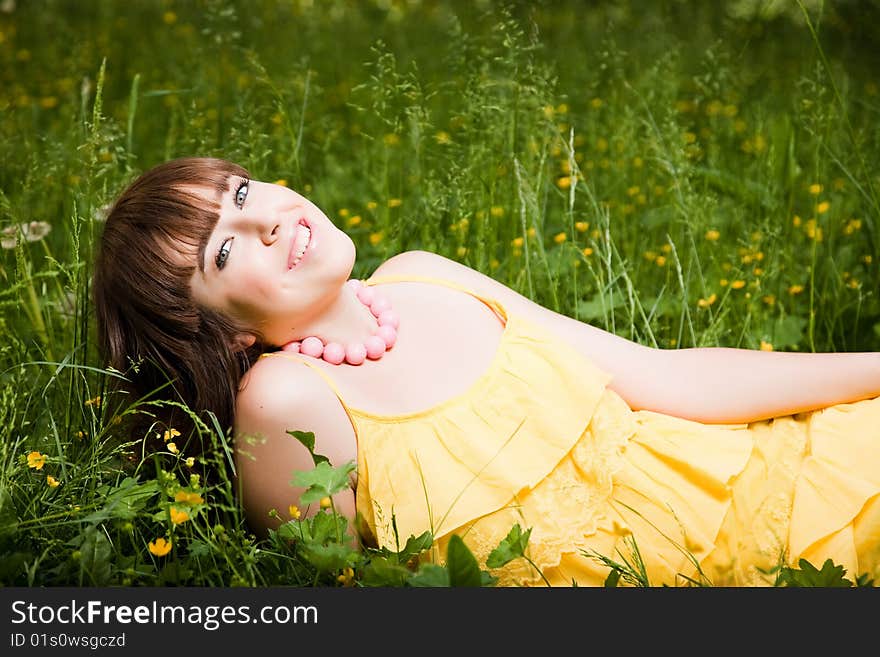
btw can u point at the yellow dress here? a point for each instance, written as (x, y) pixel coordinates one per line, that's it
(539, 440)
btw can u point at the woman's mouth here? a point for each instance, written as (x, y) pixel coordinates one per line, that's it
(302, 237)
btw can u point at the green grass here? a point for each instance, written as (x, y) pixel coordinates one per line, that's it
(713, 185)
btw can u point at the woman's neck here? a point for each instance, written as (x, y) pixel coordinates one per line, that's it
(344, 320)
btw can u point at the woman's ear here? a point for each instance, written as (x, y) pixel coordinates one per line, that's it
(243, 341)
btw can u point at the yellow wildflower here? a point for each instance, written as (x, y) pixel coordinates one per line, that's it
(587, 252)
(160, 547)
(190, 461)
(442, 137)
(282, 182)
(795, 289)
(169, 18)
(496, 211)
(372, 205)
(461, 251)
(796, 221)
(582, 226)
(394, 203)
(705, 303)
(326, 503)
(531, 232)
(559, 238)
(712, 235)
(391, 139)
(343, 212)
(346, 577)
(178, 516)
(169, 434)
(815, 189)
(188, 497)
(769, 299)
(564, 182)
(96, 402)
(294, 512)
(766, 346)
(375, 238)
(822, 208)
(596, 103)
(354, 221)
(736, 285)
(517, 241)
(52, 482)
(36, 460)
(172, 447)
(660, 261)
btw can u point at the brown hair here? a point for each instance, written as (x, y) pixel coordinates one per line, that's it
(148, 325)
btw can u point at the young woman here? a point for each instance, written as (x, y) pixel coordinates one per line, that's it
(468, 408)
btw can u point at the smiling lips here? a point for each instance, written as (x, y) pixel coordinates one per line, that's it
(302, 237)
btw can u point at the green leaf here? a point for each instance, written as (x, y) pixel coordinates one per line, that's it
(430, 575)
(381, 571)
(307, 438)
(124, 501)
(462, 564)
(198, 548)
(512, 547)
(808, 576)
(95, 556)
(323, 480)
(326, 558)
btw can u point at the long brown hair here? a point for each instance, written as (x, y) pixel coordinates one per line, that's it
(148, 326)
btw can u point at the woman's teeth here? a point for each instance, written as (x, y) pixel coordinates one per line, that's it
(303, 235)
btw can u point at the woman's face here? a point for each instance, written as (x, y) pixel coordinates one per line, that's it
(274, 260)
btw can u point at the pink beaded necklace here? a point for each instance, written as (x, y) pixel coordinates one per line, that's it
(354, 353)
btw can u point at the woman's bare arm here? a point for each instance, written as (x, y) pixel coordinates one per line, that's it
(721, 384)
(706, 384)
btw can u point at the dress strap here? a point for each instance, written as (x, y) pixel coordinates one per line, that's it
(407, 278)
(297, 359)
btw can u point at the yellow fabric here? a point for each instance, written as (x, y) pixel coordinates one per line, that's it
(539, 440)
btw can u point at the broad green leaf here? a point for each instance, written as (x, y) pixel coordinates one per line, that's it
(323, 480)
(461, 564)
(326, 558)
(808, 575)
(381, 571)
(430, 575)
(512, 547)
(307, 438)
(124, 501)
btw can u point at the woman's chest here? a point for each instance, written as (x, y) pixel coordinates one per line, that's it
(447, 340)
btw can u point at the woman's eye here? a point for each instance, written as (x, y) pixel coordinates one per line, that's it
(222, 254)
(241, 194)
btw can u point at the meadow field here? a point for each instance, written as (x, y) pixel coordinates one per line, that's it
(680, 173)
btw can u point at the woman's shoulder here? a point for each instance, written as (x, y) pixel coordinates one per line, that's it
(280, 393)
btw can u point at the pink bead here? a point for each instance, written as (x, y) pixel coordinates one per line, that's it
(355, 353)
(379, 305)
(388, 335)
(334, 353)
(375, 346)
(389, 318)
(312, 346)
(366, 295)
(292, 347)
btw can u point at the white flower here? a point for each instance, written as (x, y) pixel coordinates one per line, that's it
(32, 231)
